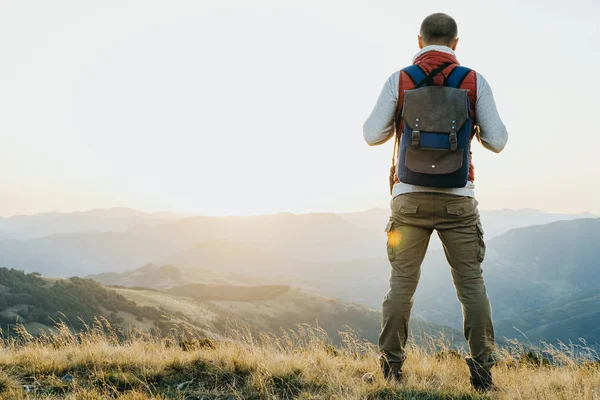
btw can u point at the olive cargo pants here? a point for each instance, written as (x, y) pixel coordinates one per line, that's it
(456, 219)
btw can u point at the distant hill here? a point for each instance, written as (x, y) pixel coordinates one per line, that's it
(64, 255)
(200, 291)
(232, 257)
(169, 276)
(565, 251)
(24, 227)
(317, 237)
(498, 222)
(567, 319)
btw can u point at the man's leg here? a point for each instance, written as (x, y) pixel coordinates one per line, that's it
(462, 236)
(408, 237)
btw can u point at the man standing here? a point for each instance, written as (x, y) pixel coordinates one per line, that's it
(428, 105)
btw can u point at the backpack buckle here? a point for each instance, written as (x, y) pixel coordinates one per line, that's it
(416, 137)
(453, 141)
(453, 138)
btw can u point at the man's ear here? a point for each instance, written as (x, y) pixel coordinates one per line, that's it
(420, 39)
(454, 44)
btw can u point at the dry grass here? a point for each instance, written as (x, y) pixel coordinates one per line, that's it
(301, 364)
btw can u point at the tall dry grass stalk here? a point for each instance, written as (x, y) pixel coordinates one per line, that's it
(302, 363)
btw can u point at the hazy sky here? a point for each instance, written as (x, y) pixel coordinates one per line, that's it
(238, 107)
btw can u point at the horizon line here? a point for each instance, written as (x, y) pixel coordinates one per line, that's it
(191, 215)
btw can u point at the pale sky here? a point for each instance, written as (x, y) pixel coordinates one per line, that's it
(238, 107)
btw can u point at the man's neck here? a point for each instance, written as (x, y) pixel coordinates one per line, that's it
(434, 47)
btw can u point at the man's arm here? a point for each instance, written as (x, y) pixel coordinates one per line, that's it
(493, 135)
(379, 127)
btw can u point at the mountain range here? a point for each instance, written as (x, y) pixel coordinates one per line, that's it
(542, 273)
(122, 239)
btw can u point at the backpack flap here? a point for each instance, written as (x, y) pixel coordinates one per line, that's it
(435, 109)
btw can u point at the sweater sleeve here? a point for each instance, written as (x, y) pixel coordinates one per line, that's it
(379, 127)
(493, 135)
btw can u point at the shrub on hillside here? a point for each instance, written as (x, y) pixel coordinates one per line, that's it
(75, 300)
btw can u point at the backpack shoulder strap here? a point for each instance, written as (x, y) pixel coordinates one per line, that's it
(457, 76)
(415, 73)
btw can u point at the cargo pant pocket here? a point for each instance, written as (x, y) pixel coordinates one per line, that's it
(403, 206)
(461, 208)
(481, 243)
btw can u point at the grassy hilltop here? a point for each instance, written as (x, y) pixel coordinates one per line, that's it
(99, 364)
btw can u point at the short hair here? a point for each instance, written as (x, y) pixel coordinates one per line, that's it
(439, 28)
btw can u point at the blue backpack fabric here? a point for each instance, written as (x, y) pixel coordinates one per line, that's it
(435, 145)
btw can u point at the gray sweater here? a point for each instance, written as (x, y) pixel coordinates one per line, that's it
(379, 127)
